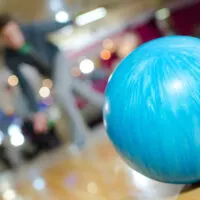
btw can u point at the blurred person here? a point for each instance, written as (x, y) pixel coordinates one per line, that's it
(15, 37)
(41, 143)
(4, 157)
(46, 58)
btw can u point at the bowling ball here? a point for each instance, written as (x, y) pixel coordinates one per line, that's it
(152, 109)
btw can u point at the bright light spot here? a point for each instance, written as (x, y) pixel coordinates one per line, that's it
(92, 188)
(44, 92)
(106, 110)
(47, 83)
(105, 54)
(16, 136)
(177, 85)
(9, 194)
(39, 183)
(17, 140)
(106, 107)
(109, 78)
(139, 180)
(13, 129)
(162, 14)
(86, 66)
(91, 16)
(75, 71)
(108, 44)
(62, 16)
(1, 137)
(13, 80)
(104, 123)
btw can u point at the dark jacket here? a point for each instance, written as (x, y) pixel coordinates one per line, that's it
(36, 35)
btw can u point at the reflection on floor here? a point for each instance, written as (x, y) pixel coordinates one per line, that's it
(94, 173)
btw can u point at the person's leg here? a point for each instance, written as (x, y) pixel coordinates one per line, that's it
(65, 96)
(4, 158)
(86, 91)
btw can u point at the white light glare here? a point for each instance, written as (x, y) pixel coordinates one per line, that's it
(39, 183)
(91, 16)
(86, 66)
(9, 194)
(1, 137)
(44, 92)
(62, 16)
(140, 181)
(177, 85)
(16, 136)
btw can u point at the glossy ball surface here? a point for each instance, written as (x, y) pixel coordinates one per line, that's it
(152, 109)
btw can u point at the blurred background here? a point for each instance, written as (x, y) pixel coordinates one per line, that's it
(98, 35)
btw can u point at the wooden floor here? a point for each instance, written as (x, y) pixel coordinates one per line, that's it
(94, 173)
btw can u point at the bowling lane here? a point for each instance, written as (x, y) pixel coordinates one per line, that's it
(94, 173)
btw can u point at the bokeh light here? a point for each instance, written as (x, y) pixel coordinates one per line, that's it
(47, 83)
(86, 66)
(39, 183)
(105, 54)
(44, 92)
(13, 80)
(9, 194)
(16, 136)
(1, 137)
(62, 16)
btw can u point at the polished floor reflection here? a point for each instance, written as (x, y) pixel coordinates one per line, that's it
(93, 173)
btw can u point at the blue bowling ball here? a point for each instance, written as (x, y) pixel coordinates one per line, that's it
(152, 109)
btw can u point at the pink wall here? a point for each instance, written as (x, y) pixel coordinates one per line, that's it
(186, 19)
